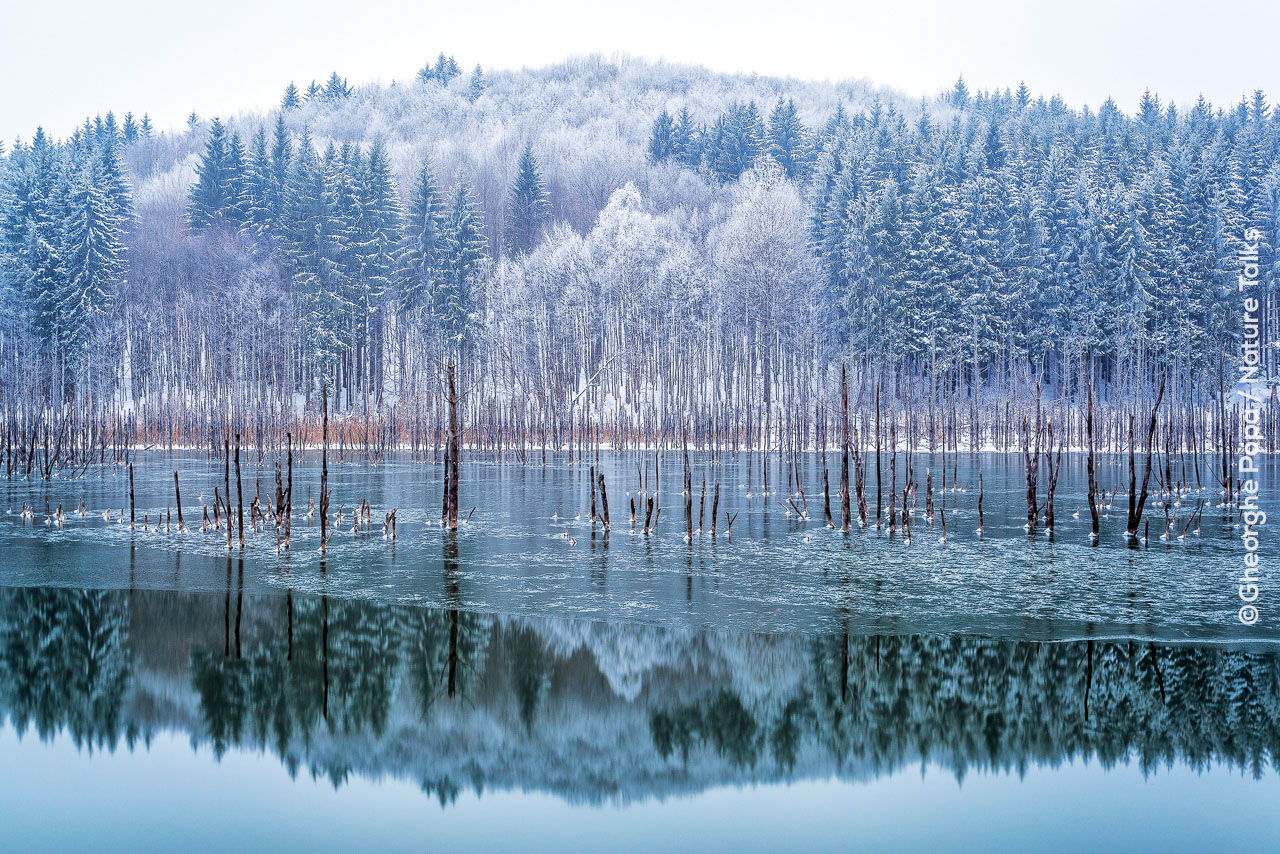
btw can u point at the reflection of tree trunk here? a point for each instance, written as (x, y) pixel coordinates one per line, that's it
(844, 667)
(1088, 680)
(324, 651)
(452, 678)
(1155, 664)
(288, 600)
(226, 614)
(239, 602)
(451, 591)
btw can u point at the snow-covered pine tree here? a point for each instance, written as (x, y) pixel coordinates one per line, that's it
(214, 200)
(788, 140)
(476, 87)
(129, 129)
(661, 138)
(291, 99)
(420, 254)
(463, 253)
(528, 206)
(92, 259)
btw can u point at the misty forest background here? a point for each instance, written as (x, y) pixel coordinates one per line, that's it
(627, 251)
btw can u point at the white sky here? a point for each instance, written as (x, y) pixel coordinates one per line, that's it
(62, 60)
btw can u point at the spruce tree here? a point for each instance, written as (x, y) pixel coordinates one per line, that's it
(376, 235)
(257, 189)
(737, 141)
(129, 129)
(661, 139)
(788, 141)
(336, 88)
(476, 88)
(215, 198)
(421, 252)
(683, 142)
(464, 250)
(528, 206)
(92, 260)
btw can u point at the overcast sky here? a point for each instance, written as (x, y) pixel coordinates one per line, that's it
(62, 60)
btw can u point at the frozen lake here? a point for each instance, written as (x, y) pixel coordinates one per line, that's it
(789, 687)
(776, 573)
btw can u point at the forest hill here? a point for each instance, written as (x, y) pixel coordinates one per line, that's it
(955, 256)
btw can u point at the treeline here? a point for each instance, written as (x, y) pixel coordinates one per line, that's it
(953, 254)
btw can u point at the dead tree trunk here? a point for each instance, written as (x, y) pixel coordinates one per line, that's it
(591, 479)
(1053, 465)
(1031, 457)
(981, 522)
(177, 496)
(715, 508)
(688, 495)
(324, 468)
(879, 481)
(239, 493)
(1093, 477)
(1138, 500)
(604, 500)
(846, 517)
(455, 452)
(226, 486)
(288, 497)
(928, 495)
(702, 502)
(826, 498)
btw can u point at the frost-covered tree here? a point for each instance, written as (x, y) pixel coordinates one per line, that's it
(476, 87)
(528, 206)
(463, 251)
(92, 260)
(216, 199)
(291, 99)
(661, 139)
(421, 251)
(788, 141)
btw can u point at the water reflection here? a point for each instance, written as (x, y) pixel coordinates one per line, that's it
(606, 712)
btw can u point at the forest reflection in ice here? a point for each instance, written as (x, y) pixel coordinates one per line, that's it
(597, 712)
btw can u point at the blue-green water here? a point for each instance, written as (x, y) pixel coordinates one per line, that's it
(511, 687)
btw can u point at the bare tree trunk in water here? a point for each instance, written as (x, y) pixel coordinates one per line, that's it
(1031, 457)
(1137, 501)
(846, 517)
(455, 455)
(1093, 477)
(324, 468)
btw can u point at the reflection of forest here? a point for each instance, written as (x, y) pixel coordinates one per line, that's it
(598, 711)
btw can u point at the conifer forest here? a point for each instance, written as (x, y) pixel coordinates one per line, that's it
(637, 254)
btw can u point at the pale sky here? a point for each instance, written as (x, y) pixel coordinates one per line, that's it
(61, 61)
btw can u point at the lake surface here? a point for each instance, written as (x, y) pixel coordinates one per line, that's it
(510, 686)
